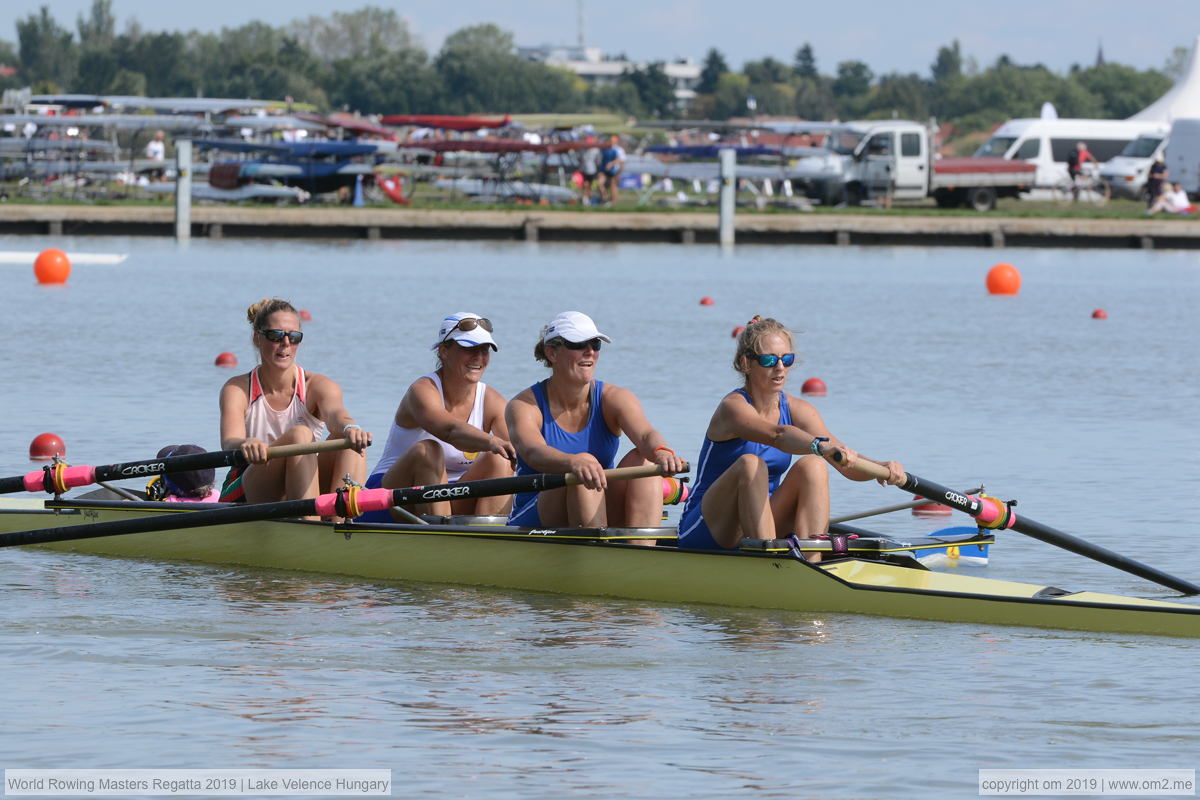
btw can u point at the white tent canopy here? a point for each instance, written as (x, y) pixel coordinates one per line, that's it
(1183, 99)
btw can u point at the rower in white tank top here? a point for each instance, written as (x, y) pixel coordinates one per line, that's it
(267, 424)
(401, 439)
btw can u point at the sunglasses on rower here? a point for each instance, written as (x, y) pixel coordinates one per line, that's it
(769, 360)
(276, 335)
(592, 343)
(470, 324)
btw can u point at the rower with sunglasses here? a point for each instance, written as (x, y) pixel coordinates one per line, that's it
(449, 425)
(279, 403)
(572, 422)
(741, 490)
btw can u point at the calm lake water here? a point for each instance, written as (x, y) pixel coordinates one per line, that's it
(474, 693)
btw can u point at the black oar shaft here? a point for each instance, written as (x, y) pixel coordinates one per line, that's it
(976, 508)
(159, 466)
(326, 505)
(1045, 533)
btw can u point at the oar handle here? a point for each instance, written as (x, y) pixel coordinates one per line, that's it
(289, 450)
(627, 473)
(866, 467)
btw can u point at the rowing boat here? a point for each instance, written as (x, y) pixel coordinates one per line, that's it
(877, 577)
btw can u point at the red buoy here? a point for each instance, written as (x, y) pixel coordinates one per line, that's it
(738, 331)
(46, 446)
(1099, 313)
(52, 266)
(814, 386)
(1003, 279)
(225, 360)
(706, 301)
(305, 316)
(930, 509)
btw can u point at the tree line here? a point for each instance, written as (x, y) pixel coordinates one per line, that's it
(369, 61)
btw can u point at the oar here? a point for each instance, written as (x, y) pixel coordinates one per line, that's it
(992, 513)
(58, 478)
(889, 509)
(345, 503)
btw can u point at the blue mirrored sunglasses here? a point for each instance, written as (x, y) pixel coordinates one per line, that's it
(769, 360)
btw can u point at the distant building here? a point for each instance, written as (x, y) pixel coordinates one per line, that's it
(598, 69)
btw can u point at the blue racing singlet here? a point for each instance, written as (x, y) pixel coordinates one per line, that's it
(595, 438)
(715, 458)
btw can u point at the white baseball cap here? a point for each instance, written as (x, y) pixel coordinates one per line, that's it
(573, 326)
(477, 334)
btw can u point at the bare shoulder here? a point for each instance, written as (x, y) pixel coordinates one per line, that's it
(803, 411)
(237, 384)
(491, 396)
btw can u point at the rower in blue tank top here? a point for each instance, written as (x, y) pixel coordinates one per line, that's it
(744, 488)
(572, 422)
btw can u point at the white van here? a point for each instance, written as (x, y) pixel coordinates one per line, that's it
(1126, 173)
(1183, 155)
(1046, 142)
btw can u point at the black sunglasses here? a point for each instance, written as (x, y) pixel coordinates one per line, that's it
(470, 324)
(276, 335)
(592, 343)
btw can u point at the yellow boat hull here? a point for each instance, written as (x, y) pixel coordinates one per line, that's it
(507, 558)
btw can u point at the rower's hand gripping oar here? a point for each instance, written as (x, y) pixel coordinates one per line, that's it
(992, 513)
(348, 502)
(57, 478)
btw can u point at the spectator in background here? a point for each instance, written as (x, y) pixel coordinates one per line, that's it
(612, 159)
(589, 168)
(1173, 201)
(1155, 180)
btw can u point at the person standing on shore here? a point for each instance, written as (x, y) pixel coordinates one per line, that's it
(612, 161)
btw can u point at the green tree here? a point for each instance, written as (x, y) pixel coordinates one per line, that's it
(1123, 91)
(369, 31)
(948, 66)
(48, 51)
(813, 98)
(1176, 62)
(904, 96)
(714, 67)
(399, 82)
(654, 88)
(729, 100)
(99, 28)
(766, 71)
(480, 72)
(805, 64)
(853, 79)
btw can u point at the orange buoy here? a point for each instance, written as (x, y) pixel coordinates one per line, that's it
(706, 301)
(1003, 279)
(305, 316)
(1099, 313)
(225, 360)
(930, 509)
(814, 386)
(738, 331)
(52, 266)
(46, 446)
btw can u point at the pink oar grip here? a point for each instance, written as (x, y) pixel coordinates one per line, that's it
(368, 500)
(71, 476)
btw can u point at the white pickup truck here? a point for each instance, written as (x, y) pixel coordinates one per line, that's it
(882, 158)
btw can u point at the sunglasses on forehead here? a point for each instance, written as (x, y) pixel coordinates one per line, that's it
(592, 343)
(769, 360)
(470, 324)
(276, 335)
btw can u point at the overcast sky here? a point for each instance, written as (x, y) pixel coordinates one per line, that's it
(888, 36)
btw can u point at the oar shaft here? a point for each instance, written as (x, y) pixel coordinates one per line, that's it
(327, 505)
(70, 477)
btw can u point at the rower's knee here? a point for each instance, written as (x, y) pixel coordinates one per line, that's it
(426, 454)
(750, 468)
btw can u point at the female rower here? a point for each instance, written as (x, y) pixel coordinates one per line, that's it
(450, 425)
(741, 490)
(572, 422)
(278, 403)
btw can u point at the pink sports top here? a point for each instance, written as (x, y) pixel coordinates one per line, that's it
(267, 424)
